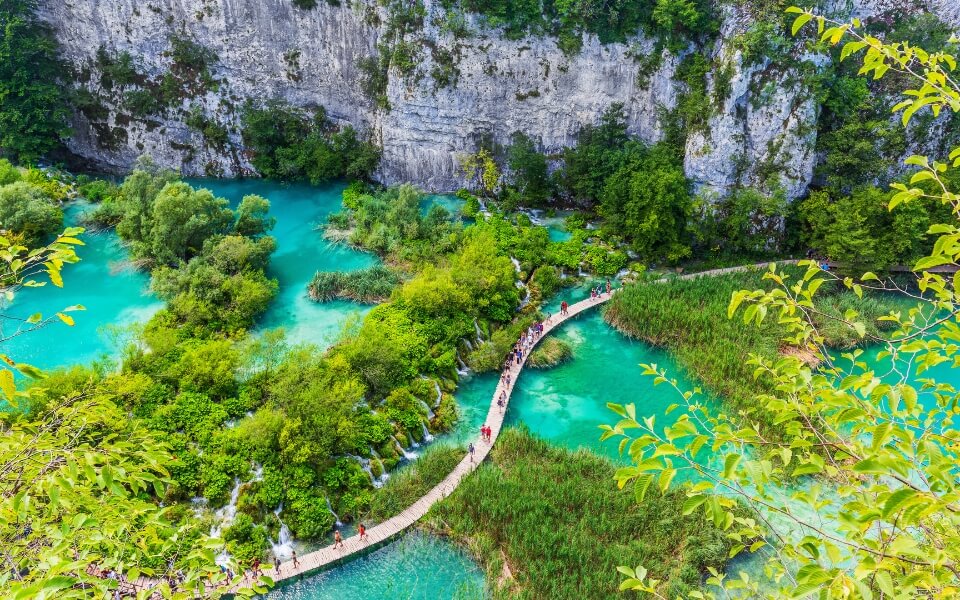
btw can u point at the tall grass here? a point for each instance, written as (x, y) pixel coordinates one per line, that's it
(550, 353)
(689, 318)
(410, 483)
(562, 527)
(371, 285)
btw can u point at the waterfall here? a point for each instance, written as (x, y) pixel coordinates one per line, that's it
(336, 519)
(463, 370)
(365, 465)
(436, 386)
(384, 476)
(430, 414)
(468, 344)
(225, 515)
(427, 438)
(199, 504)
(402, 450)
(283, 547)
(476, 327)
(516, 264)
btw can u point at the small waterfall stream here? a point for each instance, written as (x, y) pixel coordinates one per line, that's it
(283, 546)
(365, 465)
(407, 455)
(336, 519)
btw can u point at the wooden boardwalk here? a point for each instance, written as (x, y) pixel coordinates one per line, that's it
(390, 528)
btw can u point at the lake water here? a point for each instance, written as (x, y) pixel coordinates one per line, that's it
(414, 567)
(301, 251)
(115, 295)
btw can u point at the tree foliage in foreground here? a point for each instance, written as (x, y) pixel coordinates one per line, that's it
(862, 499)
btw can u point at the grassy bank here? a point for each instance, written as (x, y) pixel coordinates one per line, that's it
(689, 318)
(411, 483)
(550, 523)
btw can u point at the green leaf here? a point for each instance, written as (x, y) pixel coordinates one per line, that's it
(799, 22)
(730, 463)
(8, 386)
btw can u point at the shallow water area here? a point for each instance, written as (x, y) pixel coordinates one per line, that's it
(301, 251)
(417, 566)
(113, 292)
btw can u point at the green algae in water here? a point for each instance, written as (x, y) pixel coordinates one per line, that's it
(415, 567)
(114, 293)
(301, 251)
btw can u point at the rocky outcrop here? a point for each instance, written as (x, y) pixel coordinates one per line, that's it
(762, 132)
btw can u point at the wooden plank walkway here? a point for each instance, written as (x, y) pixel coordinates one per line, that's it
(392, 527)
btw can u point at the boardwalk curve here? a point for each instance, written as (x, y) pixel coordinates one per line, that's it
(390, 528)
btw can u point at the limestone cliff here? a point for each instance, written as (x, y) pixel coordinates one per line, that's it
(762, 126)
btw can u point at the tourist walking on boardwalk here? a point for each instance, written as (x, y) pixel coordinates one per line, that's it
(296, 563)
(500, 401)
(337, 539)
(563, 308)
(363, 531)
(609, 287)
(276, 567)
(256, 567)
(470, 450)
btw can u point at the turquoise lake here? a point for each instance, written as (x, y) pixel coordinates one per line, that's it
(115, 296)
(301, 252)
(414, 567)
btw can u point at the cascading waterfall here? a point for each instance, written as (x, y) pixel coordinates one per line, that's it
(283, 546)
(468, 344)
(436, 386)
(476, 327)
(521, 285)
(402, 450)
(226, 514)
(336, 519)
(427, 437)
(384, 476)
(365, 465)
(463, 370)
(430, 413)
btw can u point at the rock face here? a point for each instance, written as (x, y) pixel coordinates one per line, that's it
(761, 133)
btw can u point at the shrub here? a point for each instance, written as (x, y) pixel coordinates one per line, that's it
(27, 210)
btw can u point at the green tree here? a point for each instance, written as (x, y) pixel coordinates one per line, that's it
(650, 203)
(182, 219)
(27, 211)
(252, 216)
(876, 514)
(33, 104)
(528, 170)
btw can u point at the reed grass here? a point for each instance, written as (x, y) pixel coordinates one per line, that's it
(550, 353)
(559, 523)
(371, 286)
(689, 318)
